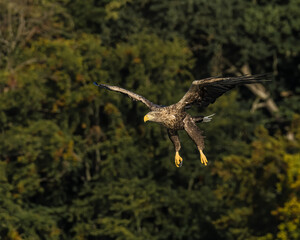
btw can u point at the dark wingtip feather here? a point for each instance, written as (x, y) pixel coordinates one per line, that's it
(248, 79)
(262, 77)
(101, 85)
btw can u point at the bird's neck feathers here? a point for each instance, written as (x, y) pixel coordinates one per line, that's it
(154, 116)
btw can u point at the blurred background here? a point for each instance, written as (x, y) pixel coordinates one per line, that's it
(78, 162)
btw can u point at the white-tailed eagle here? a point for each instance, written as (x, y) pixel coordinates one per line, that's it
(174, 117)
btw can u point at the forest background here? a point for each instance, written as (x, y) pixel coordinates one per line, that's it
(78, 162)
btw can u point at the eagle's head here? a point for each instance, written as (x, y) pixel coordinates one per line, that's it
(154, 116)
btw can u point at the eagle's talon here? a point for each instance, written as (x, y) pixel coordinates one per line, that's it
(203, 158)
(180, 164)
(178, 160)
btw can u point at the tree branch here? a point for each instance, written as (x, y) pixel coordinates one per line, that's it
(260, 91)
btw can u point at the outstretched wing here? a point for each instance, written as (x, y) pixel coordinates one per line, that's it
(130, 94)
(205, 91)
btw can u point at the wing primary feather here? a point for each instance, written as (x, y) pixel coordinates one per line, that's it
(102, 86)
(245, 79)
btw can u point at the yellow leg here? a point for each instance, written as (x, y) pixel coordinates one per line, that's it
(203, 158)
(178, 160)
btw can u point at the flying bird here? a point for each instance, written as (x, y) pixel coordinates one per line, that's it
(174, 117)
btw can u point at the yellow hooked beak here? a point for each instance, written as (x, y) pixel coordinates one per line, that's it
(146, 118)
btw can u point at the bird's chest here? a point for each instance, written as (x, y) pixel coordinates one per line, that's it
(174, 121)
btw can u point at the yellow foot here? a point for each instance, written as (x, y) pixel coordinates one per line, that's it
(203, 158)
(178, 160)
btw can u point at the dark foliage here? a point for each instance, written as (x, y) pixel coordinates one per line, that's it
(77, 162)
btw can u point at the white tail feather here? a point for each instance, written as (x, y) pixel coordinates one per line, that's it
(208, 118)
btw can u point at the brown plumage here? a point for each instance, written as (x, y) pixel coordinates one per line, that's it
(174, 117)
